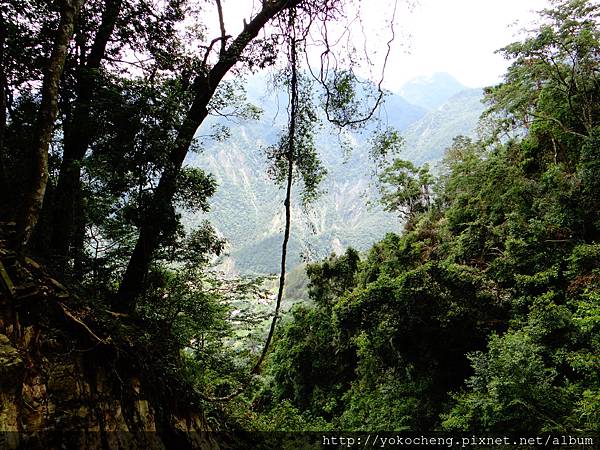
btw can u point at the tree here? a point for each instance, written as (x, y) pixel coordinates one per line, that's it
(133, 93)
(45, 122)
(406, 189)
(3, 95)
(78, 132)
(108, 35)
(204, 88)
(552, 83)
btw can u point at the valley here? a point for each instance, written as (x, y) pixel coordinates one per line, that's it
(247, 206)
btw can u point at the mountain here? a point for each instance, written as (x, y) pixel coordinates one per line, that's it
(400, 113)
(428, 138)
(430, 92)
(247, 208)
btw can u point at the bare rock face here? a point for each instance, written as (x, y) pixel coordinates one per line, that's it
(11, 364)
(62, 386)
(63, 399)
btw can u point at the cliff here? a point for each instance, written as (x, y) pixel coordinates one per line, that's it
(72, 377)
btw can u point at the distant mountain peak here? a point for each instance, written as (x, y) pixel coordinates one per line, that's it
(431, 91)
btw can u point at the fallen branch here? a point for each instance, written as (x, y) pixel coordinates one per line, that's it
(75, 319)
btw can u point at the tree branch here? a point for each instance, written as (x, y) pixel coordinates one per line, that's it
(224, 36)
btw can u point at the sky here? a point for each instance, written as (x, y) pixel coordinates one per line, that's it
(459, 37)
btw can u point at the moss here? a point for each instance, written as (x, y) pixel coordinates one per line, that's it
(11, 365)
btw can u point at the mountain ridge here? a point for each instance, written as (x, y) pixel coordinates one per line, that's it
(431, 91)
(248, 209)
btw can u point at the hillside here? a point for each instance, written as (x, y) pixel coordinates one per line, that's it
(427, 138)
(482, 317)
(247, 207)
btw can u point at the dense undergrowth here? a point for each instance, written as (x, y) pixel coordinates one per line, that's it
(484, 315)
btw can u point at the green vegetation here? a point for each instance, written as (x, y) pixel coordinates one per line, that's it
(481, 317)
(484, 315)
(244, 213)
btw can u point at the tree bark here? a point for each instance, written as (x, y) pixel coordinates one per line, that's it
(34, 199)
(78, 135)
(290, 154)
(149, 239)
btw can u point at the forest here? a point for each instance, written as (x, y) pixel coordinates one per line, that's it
(480, 316)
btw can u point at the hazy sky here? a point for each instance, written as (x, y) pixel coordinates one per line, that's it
(454, 36)
(459, 37)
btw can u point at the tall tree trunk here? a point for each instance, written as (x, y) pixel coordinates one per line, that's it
(78, 135)
(290, 155)
(149, 239)
(34, 199)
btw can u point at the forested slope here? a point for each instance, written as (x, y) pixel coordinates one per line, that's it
(484, 315)
(480, 316)
(347, 213)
